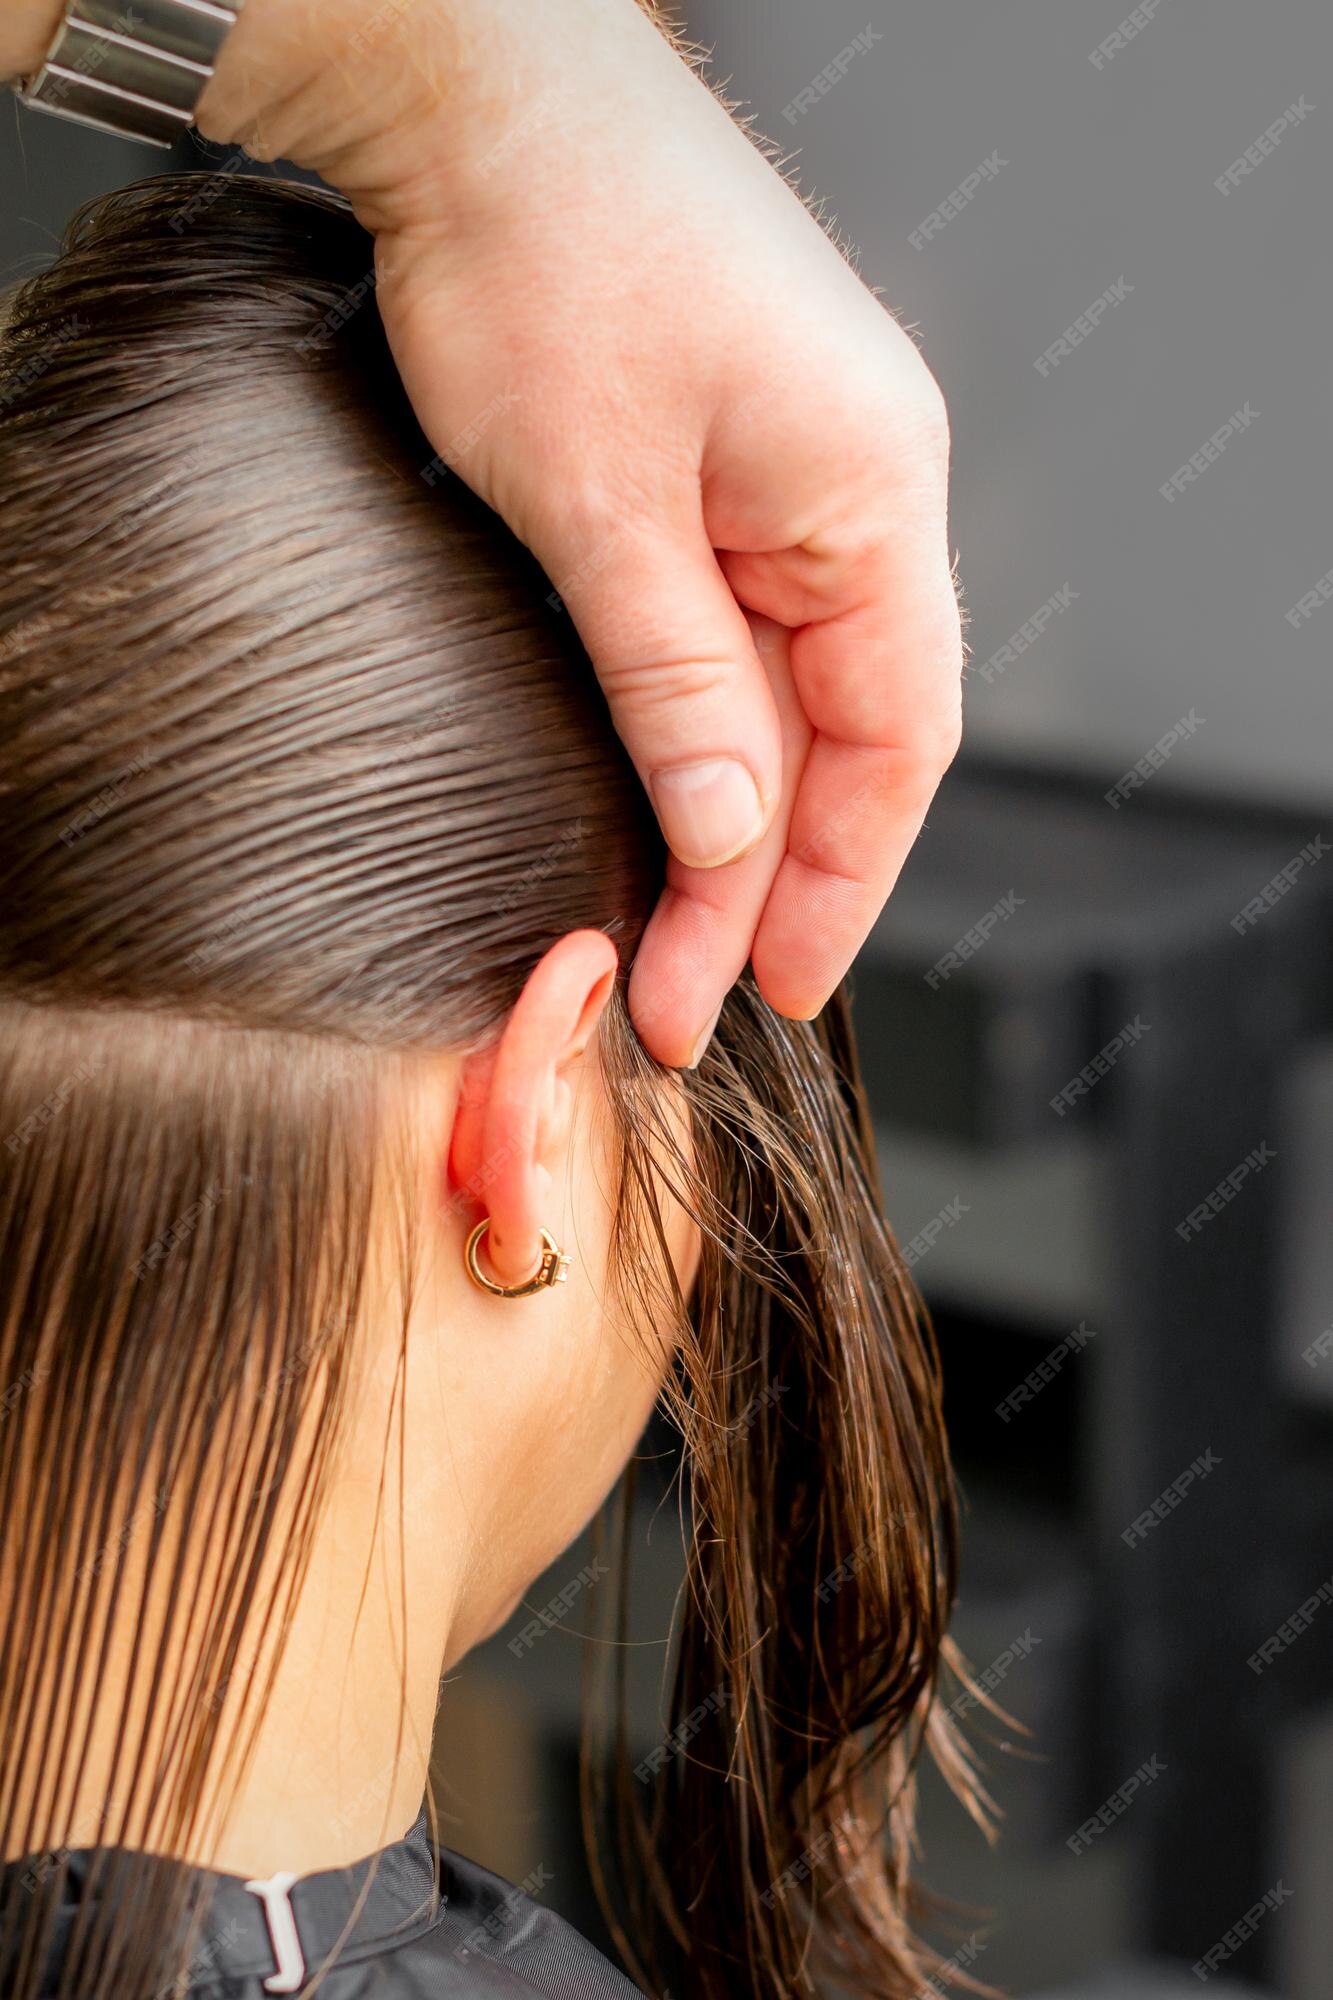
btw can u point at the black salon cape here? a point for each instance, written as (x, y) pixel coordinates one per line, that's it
(478, 1938)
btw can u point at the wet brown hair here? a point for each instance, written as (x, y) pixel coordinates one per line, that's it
(302, 770)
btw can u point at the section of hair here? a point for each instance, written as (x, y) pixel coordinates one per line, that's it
(301, 767)
(290, 735)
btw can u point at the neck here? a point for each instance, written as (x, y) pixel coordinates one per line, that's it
(338, 1759)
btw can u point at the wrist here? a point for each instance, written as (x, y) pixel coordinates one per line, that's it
(341, 88)
(413, 107)
(27, 30)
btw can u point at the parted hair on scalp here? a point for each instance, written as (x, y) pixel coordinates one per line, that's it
(302, 771)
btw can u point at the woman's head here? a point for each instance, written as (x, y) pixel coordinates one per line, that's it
(321, 874)
(306, 773)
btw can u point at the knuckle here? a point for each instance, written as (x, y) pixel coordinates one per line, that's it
(934, 740)
(924, 420)
(651, 686)
(950, 740)
(585, 525)
(631, 498)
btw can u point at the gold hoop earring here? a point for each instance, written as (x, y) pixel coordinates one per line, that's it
(553, 1269)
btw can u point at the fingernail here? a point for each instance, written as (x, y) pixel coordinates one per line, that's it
(701, 1046)
(710, 812)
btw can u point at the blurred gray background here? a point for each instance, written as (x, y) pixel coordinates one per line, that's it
(1040, 1164)
(1108, 172)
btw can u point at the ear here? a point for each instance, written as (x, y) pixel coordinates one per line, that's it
(515, 1103)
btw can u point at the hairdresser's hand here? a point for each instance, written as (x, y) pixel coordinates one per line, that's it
(620, 326)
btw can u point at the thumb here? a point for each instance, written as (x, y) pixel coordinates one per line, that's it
(688, 693)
